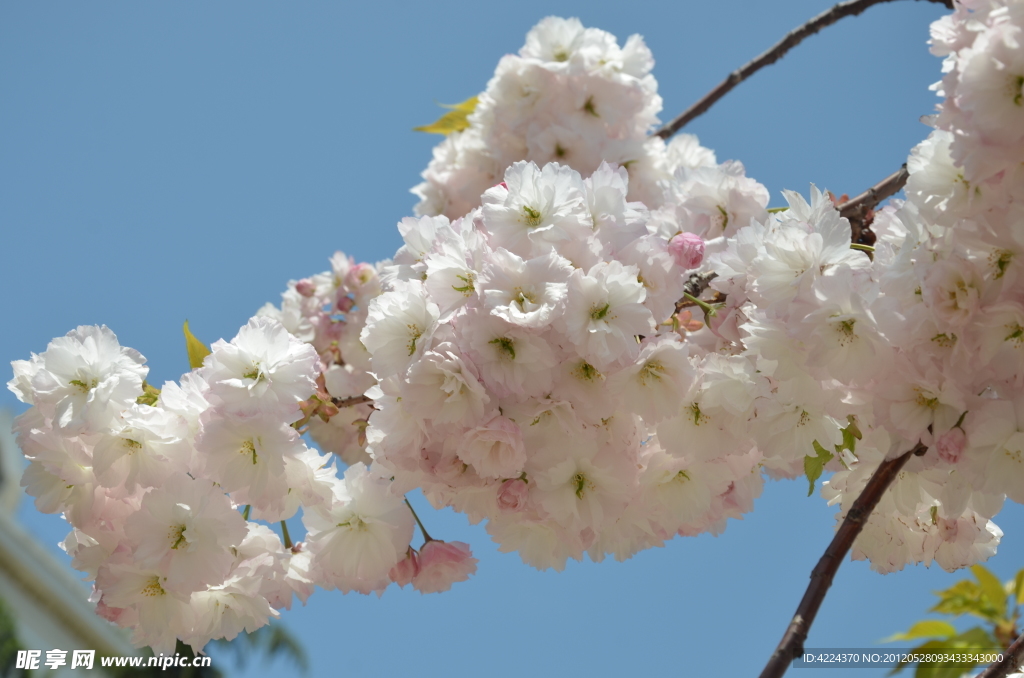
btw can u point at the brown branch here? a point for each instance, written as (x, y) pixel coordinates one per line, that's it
(352, 402)
(792, 644)
(792, 39)
(860, 210)
(695, 286)
(1011, 661)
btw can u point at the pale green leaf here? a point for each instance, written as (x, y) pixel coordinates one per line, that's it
(197, 350)
(992, 588)
(1018, 588)
(964, 597)
(455, 120)
(813, 466)
(150, 394)
(929, 628)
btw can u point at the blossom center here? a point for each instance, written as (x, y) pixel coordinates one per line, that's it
(581, 484)
(533, 217)
(84, 386)
(599, 312)
(176, 536)
(1016, 334)
(506, 347)
(1001, 260)
(355, 523)
(153, 588)
(415, 332)
(256, 373)
(467, 287)
(698, 416)
(249, 447)
(586, 372)
(651, 371)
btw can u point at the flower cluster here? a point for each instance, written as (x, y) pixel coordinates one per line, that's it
(572, 96)
(924, 342)
(152, 483)
(955, 305)
(328, 311)
(533, 359)
(532, 373)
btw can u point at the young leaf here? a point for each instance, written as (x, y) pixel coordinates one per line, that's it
(197, 350)
(964, 597)
(150, 394)
(1018, 587)
(455, 120)
(992, 588)
(813, 466)
(924, 629)
(971, 642)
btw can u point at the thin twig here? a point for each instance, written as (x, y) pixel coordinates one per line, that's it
(1012, 659)
(426, 536)
(695, 287)
(792, 644)
(860, 210)
(792, 39)
(352, 402)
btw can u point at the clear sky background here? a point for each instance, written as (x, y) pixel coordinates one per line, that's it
(164, 161)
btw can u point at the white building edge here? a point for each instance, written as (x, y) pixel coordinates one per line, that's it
(48, 603)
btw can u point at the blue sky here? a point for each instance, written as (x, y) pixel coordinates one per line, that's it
(185, 160)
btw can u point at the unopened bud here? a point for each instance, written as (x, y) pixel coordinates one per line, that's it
(345, 304)
(687, 249)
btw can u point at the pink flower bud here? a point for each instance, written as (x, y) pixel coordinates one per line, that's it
(442, 564)
(687, 249)
(951, 444)
(512, 495)
(305, 287)
(360, 275)
(407, 568)
(345, 304)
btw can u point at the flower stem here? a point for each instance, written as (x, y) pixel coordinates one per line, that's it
(705, 306)
(287, 537)
(862, 248)
(426, 535)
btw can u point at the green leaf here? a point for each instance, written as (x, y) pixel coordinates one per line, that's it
(150, 394)
(1018, 588)
(965, 597)
(972, 641)
(455, 120)
(992, 588)
(924, 629)
(813, 466)
(197, 350)
(852, 428)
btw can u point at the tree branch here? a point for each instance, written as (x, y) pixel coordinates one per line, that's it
(860, 210)
(352, 402)
(792, 644)
(1011, 661)
(776, 52)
